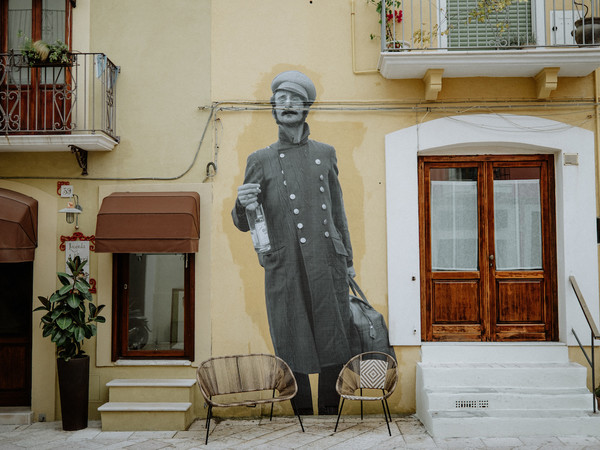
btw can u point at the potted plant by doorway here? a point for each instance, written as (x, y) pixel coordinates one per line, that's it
(597, 395)
(70, 319)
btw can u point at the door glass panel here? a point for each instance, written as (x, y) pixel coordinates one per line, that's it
(19, 23)
(53, 30)
(156, 313)
(53, 21)
(19, 31)
(16, 281)
(454, 238)
(517, 218)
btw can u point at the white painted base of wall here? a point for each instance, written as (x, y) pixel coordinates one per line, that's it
(16, 415)
(502, 390)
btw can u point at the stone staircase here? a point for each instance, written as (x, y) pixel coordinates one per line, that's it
(148, 404)
(501, 390)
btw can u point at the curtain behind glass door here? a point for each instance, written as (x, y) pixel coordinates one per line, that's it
(454, 224)
(517, 218)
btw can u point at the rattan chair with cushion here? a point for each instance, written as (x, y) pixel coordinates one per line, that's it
(375, 372)
(239, 374)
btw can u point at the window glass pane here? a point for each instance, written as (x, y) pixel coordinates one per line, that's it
(454, 240)
(53, 29)
(500, 27)
(53, 21)
(156, 313)
(19, 23)
(517, 218)
(16, 281)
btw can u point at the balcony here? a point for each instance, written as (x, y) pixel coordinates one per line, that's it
(58, 107)
(489, 38)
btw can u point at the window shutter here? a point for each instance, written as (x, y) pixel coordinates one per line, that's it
(510, 27)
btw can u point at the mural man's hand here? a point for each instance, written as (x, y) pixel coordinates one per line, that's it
(351, 272)
(248, 194)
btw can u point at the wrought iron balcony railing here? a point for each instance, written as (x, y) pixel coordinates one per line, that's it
(58, 99)
(447, 25)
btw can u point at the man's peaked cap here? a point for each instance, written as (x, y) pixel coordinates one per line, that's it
(296, 82)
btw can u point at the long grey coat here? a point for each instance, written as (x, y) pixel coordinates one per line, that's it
(306, 287)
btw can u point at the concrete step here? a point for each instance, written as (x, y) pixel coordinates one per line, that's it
(151, 390)
(470, 399)
(518, 375)
(446, 424)
(16, 415)
(494, 352)
(146, 416)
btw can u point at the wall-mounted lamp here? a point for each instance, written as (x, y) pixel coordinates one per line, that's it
(73, 210)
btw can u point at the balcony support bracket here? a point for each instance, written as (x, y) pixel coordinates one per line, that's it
(82, 157)
(546, 81)
(433, 83)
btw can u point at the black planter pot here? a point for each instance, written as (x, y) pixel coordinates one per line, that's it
(73, 382)
(587, 31)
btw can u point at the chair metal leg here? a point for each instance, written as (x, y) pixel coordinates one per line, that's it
(208, 416)
(388, 409)
(387, 406)
(271, 416)
(339, 414)
(297, 413)
(386, 418)
(361, 406)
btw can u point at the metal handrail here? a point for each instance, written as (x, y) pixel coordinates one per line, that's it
(595, 334)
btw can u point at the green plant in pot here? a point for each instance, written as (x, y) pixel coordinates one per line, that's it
(70, 319)
(40, 53)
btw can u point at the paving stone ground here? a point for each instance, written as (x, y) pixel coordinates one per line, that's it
(281, 433)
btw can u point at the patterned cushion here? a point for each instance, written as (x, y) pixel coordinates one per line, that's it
(372, 374)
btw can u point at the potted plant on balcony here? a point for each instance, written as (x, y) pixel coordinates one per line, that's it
(70, 318)
(393, 16)
(39, 53)
(587, 29)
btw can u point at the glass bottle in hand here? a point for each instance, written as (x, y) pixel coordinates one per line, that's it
(258, 227)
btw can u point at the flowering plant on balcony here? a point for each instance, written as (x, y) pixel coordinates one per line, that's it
(41, 53)
(393, 16)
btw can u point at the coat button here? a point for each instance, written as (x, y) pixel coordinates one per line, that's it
(327, 234)
(324, 221)
(281, 155)
(323, 206)
(284, 183)
(303, 240)
(300, 226)
(296, 211)
(322, 189)
(292, 196)
(317, 161)
(321, 177)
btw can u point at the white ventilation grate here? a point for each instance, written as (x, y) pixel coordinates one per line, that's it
(472, 404)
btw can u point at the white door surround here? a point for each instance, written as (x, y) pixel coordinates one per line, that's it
(480, 134)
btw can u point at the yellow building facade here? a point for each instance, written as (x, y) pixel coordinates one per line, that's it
(192, 95)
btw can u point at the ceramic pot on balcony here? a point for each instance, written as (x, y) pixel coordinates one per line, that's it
(587, 31)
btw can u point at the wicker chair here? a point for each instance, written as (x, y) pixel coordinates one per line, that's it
(245, 374)
(373, 371)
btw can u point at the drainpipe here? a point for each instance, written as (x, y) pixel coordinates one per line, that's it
(353, 40)
(597, 143)
(383, 23)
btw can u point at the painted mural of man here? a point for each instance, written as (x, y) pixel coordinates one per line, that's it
(306, 270)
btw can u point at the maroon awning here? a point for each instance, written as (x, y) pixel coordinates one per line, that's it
(18, 227)
(149, 222)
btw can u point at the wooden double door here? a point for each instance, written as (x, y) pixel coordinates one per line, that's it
(488, 248)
